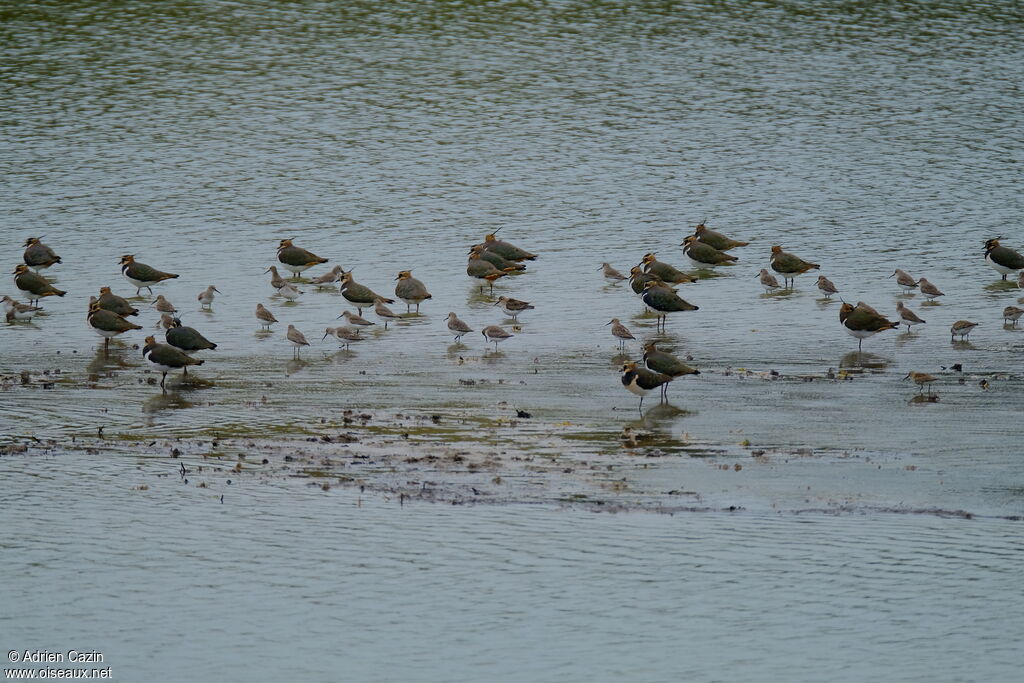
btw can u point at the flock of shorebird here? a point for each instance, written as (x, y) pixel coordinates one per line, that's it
(652, 280)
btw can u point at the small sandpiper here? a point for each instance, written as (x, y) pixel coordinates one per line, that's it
(907, 316)
(769, 282)
(15, 310)
(863, 321)
(39, 256)
(343, 334)
(702, 255)
(610, 273)
(166, 358)
(115, 303)
(383, 312)
(276, 281)
(495, 333)
(929, 290)
(361, 296)
(962, 328)
(457, 327)
(141, 275)
(716, 239)
(297, 339)
(641, 381)
(620, 332)
(295, 259)
(1012, 314)
(108, 324)
(904, 280)
(506, 250)
(34, 285)
(205, 297)
(826, 287)
(664, 271)
(290, 291)
(664, 300)
(789, 266)
(355, 320)
(483, 270)
(163, 305)
(1003, 259)
(265, 317)
(513, 307)
(410, 290)
(166, 321)
(666, 364)
(921, 379)
(187, 338)
(329, 278)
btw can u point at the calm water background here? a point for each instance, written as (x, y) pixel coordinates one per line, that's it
(860, 136)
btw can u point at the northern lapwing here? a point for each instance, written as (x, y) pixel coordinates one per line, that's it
(638, 278)
(664, 300)
(702, 255)
(457, 327)
(34, 285)
(361, 296)
(665, 272)
(108, 324)
(641, 381)
(1003, 259)
(295, 259)
(513, 307)
(716, 239)
(480, 269)
(141, 275)
(187, 339)
(498, 261)
(506, 250)
(789, 266)
(863, 321)
(115, 303)
(410, 290)
(38, 256)
(665, 363)
(166, 358)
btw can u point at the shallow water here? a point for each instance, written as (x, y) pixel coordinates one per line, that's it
(864, 138)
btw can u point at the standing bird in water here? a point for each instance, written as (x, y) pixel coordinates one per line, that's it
(506, 250)
(141, 275)
(187, 338)
(862, 321)
(265, 317)
(826, 287)
(665, 272)
(929, 290)
(457, 327)
(789, 266)
(611, 273)
(15, 310)
(666, 364)
(664, 300)
(205, 297)
(383, 311)
(483, 270)
(716, 239)
(513, 307)
(620, 332)
(297, 339)
(641, 381)
(907, 316)
(115, 303)
(495, 333)
(295, 259)
(361, 296)
(108, 324)
(904, 280)
(39, 256)
(702, 255)
(1003, 259)
(769, 282)
(34, 285)
(410, 290)
(166, 358)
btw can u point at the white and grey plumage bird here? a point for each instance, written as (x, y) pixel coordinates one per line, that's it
(297, 339)
(205, 297)
(620, 332)
(457, 327)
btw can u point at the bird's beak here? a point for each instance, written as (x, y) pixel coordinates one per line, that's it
(216, 290)
(266, 271)
(893, 275)
(324, 337)
(608, 323)
(339, 317)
